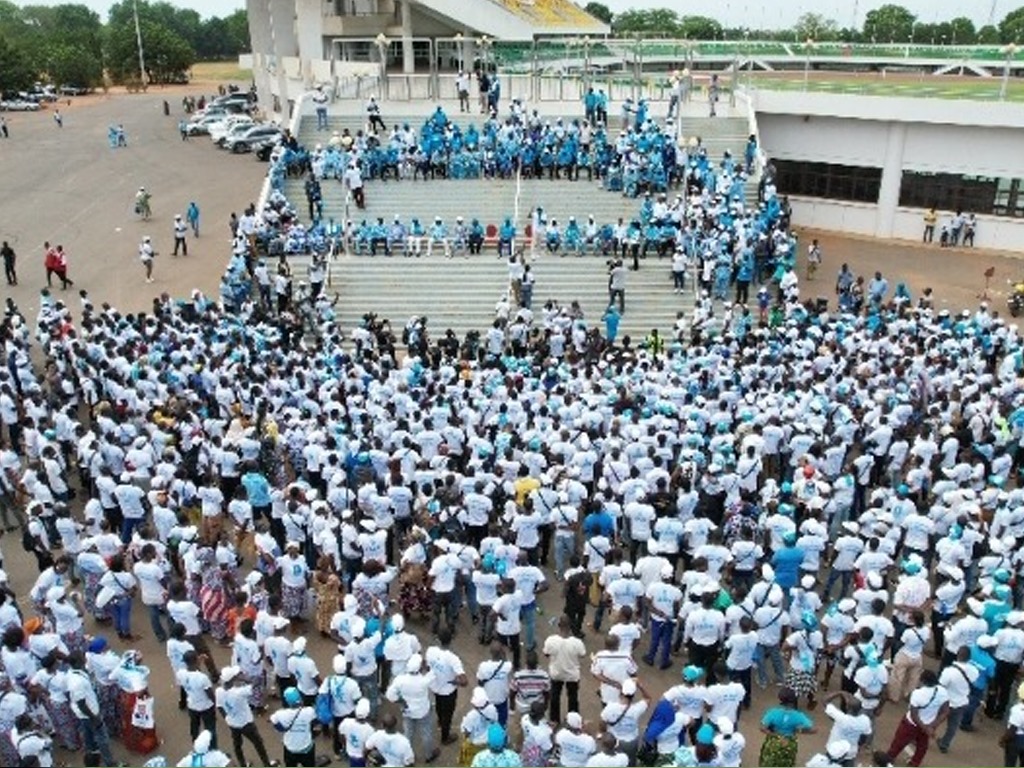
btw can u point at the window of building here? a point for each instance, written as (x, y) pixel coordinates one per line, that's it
(954, 192)
(826, 180)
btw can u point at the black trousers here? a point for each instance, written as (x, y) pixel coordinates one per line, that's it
(704, 656)
(572, 693)
(306, 759)
(445, 705)
(250, 732)
(512, 642)
(206, 719)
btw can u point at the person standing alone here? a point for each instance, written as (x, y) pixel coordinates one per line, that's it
(9, 258)
(180, 230)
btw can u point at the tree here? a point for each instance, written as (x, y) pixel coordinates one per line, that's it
(167, 54)
(16, 71)
(889, 23)
(699, 28)
(814, 26)
(72, 64)
(962, 31)
(988, 35)
(659, 21)
(599, 11)
(1011, 28)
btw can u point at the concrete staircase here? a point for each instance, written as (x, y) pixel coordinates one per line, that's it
(461, 293)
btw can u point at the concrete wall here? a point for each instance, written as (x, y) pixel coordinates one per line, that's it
(894, 134)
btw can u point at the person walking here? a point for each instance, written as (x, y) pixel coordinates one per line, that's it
(180, 229)
(58, 118)
(9, 258)
(60, 267)
(928, 710)
(192, 217)
(146, 256)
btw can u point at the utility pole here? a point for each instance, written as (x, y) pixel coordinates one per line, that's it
(138, 39)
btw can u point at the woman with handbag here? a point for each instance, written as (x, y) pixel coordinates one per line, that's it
(138, 727)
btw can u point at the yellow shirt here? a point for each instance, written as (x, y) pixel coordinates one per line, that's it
(524, 486)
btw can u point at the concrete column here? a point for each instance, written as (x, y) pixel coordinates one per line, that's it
(408, 60)
(310, 29)
(468, 47)
(286, 43)
(262, 47)
(892, 174)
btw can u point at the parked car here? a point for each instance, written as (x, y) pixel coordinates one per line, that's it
(74, 90)
(19, 105)
(201, 124)
(222, 128)
(42, 93)
(251, 137)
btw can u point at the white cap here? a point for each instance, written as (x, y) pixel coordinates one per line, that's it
(667, 572)
(280, 622)
(340, 664)
(838, 750)
(414, 664)
(363, 709)
(299, 645)
(874, 580)
(726, 727)
(202, 743)
(807, 582)
(628, 687)
(626, 569)
(847, 604)
(987, 641)
(397, 623)
(479, 698)
(574, 720)
(229, 673)
(53, 594)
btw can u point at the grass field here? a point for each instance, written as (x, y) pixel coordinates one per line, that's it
(873, 84)
(220, 71)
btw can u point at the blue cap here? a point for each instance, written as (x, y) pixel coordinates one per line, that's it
(706, 734)
(495, 736)
(292, 697)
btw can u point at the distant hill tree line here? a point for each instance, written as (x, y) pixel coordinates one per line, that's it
(70, 45)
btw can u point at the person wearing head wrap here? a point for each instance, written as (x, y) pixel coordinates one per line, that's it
(497, 754)
(782, 725)
(802, 648)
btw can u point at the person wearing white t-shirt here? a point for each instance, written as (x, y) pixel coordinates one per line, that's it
(957, 680)
(610, 667)
(232, 701)
(622, 717)
(575, 747)
(295, 724)
(850, 724)
(198, 697)
(412, 689)
(392, 748)
(152, 579)
(449, 676)
(928, 710)
(355, 732)
(304, 670)
(506, 612)
(444, 570)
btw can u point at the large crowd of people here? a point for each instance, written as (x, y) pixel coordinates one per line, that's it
(818, 496)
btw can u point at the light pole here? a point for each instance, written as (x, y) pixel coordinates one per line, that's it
(808, 47)
(382, 53)
(586, 62)
(750, 60)
(485, 48)
(1009, 50)
(138, 40)
(458, 45)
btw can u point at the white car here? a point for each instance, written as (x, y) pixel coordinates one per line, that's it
(251, 137)
(19, 105)
(220, 129)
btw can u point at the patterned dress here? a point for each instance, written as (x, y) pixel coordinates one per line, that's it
(328, 601)
(214, 600)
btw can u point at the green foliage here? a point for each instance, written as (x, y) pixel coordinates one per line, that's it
(700, 28)
(988, 35)
(15, 69)
(889, 23)
(814, 26)
(167, 54)
(599, 11)
(1011, 28)
(660, 22)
